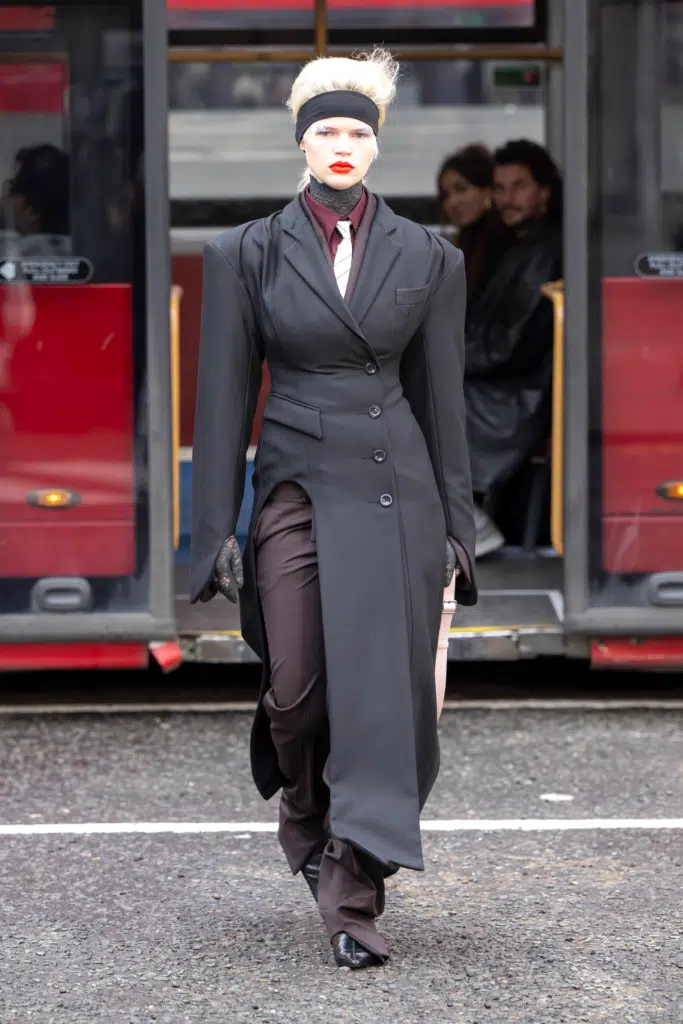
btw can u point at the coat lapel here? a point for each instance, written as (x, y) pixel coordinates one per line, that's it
(302, 252)
(381, 252)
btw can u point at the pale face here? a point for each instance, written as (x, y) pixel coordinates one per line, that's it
(463, 203)
(18, 212)
(339, 151)
(518, 195)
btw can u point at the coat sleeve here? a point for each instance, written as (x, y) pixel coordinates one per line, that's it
(228, 385)
(432, 372)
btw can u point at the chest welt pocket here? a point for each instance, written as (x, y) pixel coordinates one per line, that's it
(411, 296)
(297, 415)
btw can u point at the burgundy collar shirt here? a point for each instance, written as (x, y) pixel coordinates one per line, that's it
(327, 219)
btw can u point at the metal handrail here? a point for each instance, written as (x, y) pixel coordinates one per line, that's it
(554, 291)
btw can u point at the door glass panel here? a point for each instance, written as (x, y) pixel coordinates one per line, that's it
(231, 137)
(235, 141)
(440, 107)
(73, 440)
(636, 341)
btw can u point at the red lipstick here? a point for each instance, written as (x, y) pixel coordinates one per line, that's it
(341, 167)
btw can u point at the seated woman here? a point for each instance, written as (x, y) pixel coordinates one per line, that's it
(465, 184)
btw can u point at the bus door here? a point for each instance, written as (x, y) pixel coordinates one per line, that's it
(85, 503)
(472, 71)
(623, 508)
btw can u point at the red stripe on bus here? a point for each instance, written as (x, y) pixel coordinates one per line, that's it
(637, 652)
(27, 19)
(27, 657)
(643, 437)
(250, 5)
(32, 88)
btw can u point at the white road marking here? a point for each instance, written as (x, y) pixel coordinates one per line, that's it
(126, 708)
(493, 704)
(434, 825)
(550, 824)
(130, 827)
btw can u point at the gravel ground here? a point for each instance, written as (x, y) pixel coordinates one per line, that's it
(502, 927)
(211, 928)
(194, 767)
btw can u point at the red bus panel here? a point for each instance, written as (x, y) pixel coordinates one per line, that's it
(66, 425)
(642, 421)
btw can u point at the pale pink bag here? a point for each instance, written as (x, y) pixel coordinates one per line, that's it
(449, 606)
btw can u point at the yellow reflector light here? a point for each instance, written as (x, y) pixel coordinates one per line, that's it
(53, 498)
(673, 489)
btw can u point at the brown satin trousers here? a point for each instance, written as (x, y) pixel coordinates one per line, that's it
(351, 887)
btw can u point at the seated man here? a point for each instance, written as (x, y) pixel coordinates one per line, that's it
(509, 330)
(36, 204)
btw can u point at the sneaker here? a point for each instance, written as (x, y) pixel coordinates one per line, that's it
(489, 538)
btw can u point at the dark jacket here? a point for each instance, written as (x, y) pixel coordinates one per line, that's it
(483, 245)
(508, 358)
(366, 413)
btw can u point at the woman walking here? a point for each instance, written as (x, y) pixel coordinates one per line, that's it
(362, 496)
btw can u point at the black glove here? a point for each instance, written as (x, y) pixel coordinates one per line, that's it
(451, 563)
(228, 574)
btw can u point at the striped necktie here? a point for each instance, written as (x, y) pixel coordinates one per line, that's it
(342, 257)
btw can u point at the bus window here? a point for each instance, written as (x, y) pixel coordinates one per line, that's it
(636, 344)
(232, 138)
(385, 16)
(233, 157)
(73, 438)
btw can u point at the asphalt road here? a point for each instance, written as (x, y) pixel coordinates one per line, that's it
(563, 924)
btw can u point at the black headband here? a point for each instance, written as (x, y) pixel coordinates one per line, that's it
(339, 103)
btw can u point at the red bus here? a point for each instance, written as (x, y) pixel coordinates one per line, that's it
(93, 463)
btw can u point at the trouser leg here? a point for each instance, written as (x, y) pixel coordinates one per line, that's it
(351, 895)
(287, 579)
(351, 885)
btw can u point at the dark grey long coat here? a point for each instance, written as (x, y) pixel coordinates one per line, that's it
(365, 413)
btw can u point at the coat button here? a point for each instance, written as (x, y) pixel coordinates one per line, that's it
(379, 455)
(375, 411)
(370, 368)
(386, 500)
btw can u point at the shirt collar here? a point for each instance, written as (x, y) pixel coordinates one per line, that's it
(327, 219)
